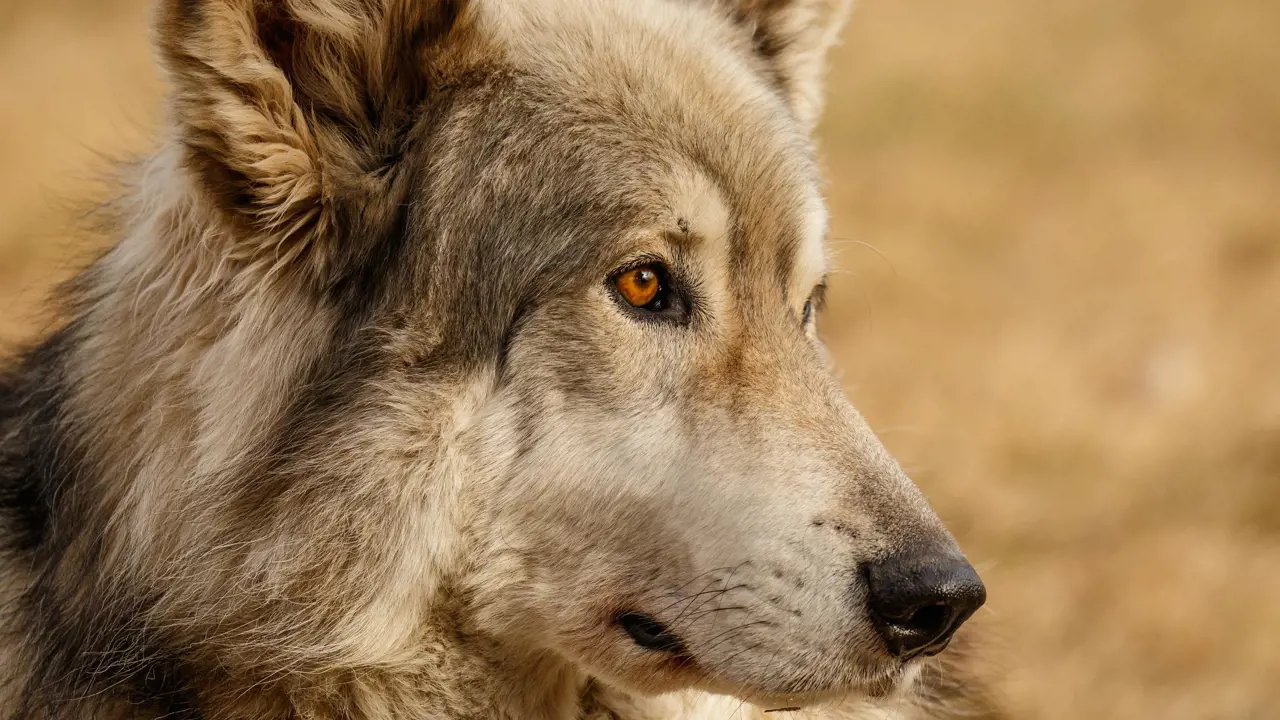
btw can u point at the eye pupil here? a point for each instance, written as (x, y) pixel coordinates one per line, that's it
(808, 312)
(639, 286)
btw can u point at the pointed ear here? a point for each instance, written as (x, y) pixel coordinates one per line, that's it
(794, 37)
(290, 112)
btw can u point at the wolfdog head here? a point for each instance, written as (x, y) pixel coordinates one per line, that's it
(493, 323)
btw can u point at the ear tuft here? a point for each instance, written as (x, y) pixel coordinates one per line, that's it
(794, 36)
(289, 110)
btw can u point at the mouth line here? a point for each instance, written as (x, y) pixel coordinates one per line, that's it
(882, 685)
(650, 634)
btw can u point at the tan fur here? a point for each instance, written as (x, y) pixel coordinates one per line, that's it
(360, 430)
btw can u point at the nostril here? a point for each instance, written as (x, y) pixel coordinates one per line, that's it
(911, 629)
(918, 602)
(929, 620)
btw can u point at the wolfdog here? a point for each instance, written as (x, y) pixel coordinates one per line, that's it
(457, 359)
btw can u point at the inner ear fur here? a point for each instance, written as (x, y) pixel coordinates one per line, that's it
(291, 114)
(794, 37)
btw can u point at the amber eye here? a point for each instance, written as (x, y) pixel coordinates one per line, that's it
(639, 286)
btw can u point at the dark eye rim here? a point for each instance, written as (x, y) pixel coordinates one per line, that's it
(672, 304)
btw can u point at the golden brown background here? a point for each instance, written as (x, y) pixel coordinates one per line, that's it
(1059, 230)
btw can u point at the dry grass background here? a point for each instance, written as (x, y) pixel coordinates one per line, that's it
(1069, 326)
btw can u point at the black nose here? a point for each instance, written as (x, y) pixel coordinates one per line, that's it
(917, 602)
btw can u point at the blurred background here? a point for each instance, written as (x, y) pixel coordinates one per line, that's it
(1058, 229)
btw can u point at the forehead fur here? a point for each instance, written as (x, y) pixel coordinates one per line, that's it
(682, 86)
